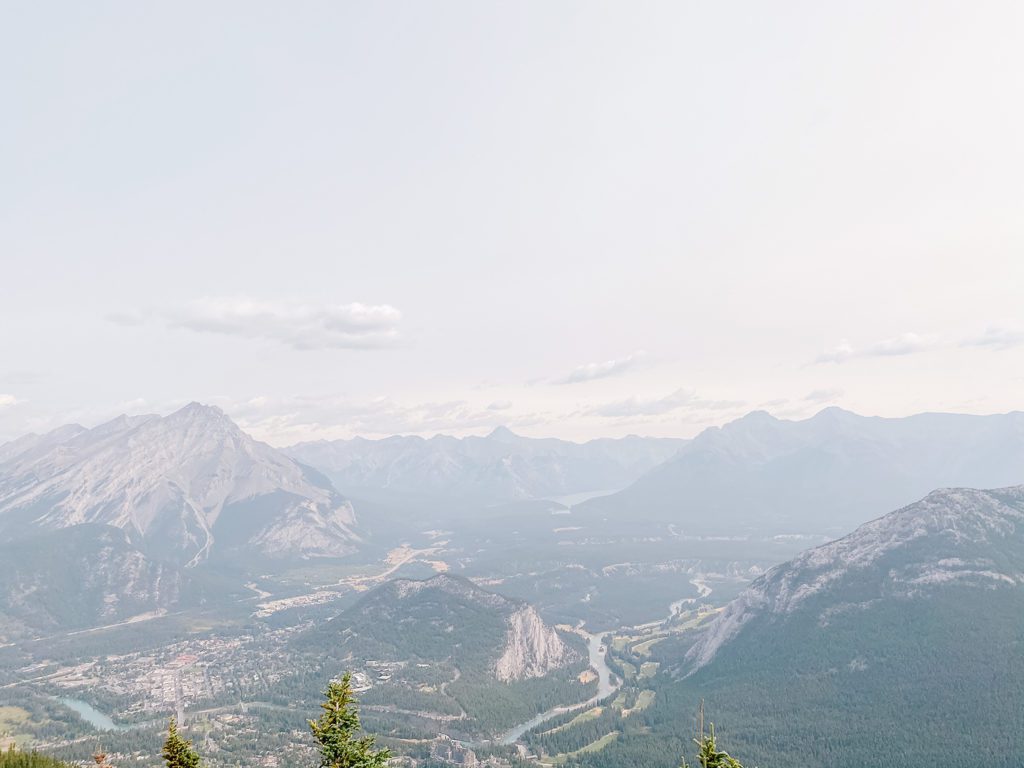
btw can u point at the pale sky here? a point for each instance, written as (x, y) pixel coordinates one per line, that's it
(578, 219)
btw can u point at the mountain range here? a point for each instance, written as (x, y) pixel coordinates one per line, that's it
(501, 466)
(823, 475)
(191, 488)
(817, 662)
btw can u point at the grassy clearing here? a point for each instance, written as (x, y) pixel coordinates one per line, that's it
(13, 717)
(644, 648)
(648, 669)
(643, 700)
(594, 746)
(695, 620)
(14, 722)
(590, 714)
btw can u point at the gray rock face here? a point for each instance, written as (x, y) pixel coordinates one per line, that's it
(186, 485)
(532, 649)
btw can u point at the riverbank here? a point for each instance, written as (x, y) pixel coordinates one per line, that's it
(605, 688)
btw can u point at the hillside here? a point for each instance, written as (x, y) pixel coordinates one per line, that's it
(823, 475)
(449, 619)
(84, 576)
(445, 646)
(900, 644)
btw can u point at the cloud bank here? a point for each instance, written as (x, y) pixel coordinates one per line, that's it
(293, 419)
(676, 401)
(299, 325)
(904, 344)
(592, 371)
(994, 338)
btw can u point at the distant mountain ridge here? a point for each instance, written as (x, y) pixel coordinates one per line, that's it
(185, 487)
(502, 466)
(826, 474)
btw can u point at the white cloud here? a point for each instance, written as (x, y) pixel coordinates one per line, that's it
(592, 371)
(996, 337)
(297, 419)
(126, 319)
(302, 326)
(680, 399)
(7, 400)
(904, 344)
(838, 354)
(500, 405)
(823, 396)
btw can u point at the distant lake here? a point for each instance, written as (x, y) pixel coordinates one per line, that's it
(572, 499)
(93, 716)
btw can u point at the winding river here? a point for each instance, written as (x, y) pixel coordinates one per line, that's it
(605, 687)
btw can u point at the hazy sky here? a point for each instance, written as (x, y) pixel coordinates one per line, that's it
(574, 218)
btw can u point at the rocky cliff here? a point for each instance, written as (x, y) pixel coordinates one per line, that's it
(532, 648)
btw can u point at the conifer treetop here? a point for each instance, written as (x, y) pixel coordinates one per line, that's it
(337, 728)
(178, 752)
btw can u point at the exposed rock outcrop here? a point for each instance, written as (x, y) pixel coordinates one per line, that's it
(533, 648)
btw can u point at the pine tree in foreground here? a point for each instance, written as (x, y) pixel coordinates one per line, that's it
(336, 730)
(178, 752)
(708, 753)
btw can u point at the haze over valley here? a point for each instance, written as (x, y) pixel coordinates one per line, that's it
(172, 564)
(585, 384)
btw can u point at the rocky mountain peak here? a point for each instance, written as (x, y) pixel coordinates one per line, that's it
(502, 434)
(174, 481)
